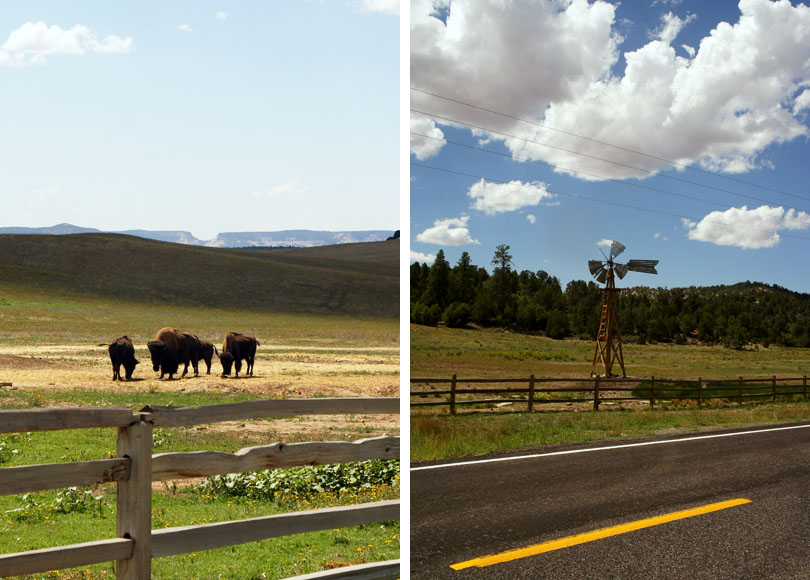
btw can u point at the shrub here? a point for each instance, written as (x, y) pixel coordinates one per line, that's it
(457, 315)
(425, 315)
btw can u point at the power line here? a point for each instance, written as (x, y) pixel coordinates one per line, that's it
(649, 172)
(638, 185)
(614, 203)
(627, 149)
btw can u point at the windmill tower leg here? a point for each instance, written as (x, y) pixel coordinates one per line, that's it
(608, 348)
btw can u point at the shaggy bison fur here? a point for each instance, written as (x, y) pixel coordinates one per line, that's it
(122, 353)
(238, 347)
(207, 351)
(171, 348)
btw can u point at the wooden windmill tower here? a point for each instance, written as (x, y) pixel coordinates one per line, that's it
(608, 340)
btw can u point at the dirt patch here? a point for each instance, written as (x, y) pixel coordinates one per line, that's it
(294, 373)
(10, 361)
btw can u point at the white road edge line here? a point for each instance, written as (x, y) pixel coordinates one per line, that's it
(607, 448)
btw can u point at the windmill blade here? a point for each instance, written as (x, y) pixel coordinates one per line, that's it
(621, 270)
(644, 266)
(601, 277)
(595, 266)
(616, 248)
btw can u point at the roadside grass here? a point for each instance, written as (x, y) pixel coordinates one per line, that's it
(443, 436)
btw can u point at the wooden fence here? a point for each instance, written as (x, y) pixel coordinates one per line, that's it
(134, 468)
(540, 391)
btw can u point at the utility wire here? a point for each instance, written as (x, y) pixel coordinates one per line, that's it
(655, 189)
(648, 171)
(614, 203)
(649, 156)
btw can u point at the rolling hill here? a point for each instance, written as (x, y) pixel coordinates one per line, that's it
(356, 279)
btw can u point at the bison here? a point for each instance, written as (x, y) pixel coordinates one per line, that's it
(236, 348)
(122, 353)
(171, 348)
(207, 351)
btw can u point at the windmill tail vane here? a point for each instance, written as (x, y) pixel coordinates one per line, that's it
(608, 349)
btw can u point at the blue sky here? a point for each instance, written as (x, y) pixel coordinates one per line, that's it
(205, 116)
(719, 88)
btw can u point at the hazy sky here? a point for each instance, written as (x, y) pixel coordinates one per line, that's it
(201, 116)
(679, 128)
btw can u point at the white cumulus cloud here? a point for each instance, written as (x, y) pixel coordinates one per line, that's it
(420, 257)
(721, 107)
(531, 218)
(747, 229)
(30, 43)
(492, 198)
(425, 138)
(222, 15)
(384, 6)
(447, 232)
(670, 26)
(185, 27)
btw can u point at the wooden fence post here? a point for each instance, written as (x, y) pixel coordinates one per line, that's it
(739, 391)
(804, 386)
(596, 393)
(134, 517)
(652, 391)
(453, 396)
(700, 391)
(531, 393)
(773, 388)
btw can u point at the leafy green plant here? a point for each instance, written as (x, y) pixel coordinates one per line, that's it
(302, 482)
(67, 501)
(7, 451)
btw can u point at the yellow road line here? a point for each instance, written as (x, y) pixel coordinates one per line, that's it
(595, 535)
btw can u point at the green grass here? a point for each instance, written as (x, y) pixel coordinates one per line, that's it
(444, 436)
(274, 558)
(93, 320)
(490, 353)
(485, 353)
(175, 505)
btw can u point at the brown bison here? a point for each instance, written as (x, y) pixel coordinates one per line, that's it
(236, 348)
(171, 348)
(122, 353)
(207, 351)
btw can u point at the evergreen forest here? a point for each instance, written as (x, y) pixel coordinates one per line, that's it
(737, 316)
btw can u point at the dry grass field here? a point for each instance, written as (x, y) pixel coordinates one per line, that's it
(281, 371)
(493, 353)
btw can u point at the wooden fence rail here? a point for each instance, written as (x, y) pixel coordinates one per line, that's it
(598, 390)
(134, 469)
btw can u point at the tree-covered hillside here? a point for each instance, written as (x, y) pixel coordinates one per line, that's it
(735, 316)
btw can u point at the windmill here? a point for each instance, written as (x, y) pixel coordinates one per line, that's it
(608, 341)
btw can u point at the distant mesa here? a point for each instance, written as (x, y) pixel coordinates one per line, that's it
(283, 238)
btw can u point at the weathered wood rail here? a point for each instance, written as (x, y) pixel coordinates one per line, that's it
(134, 469)
(598, 390)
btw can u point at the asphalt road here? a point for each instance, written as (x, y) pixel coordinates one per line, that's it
(462, 512)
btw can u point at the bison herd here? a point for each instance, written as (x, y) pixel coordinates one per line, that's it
(171, 348)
